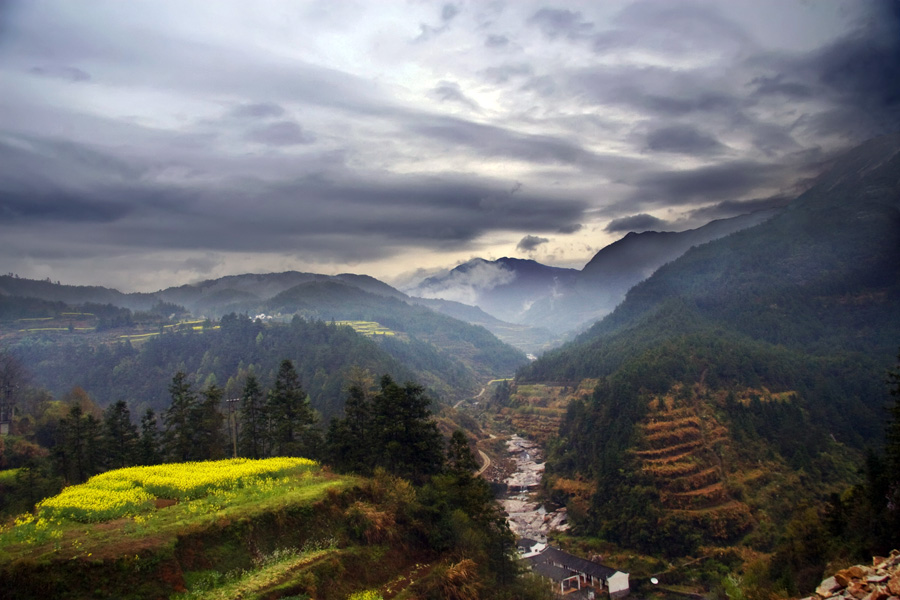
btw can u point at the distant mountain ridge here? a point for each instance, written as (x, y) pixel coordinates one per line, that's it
(560, 300)
(525, 303)
(505, 288)
(449, 355)
(211, 297)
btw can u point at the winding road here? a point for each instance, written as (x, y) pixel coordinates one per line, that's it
(485, 465)
(480, 394)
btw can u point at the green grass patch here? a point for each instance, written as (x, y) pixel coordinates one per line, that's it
(8, 476)
(269, 572)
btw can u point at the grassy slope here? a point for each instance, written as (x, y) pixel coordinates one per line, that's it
(305, 536)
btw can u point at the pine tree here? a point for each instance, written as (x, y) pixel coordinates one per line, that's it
(349, 439)
(406, 438)
(120, 436)
(148, 445)
(253, 420)
(93, 445)
(208, 425)
(79, 451)
(460, 458)
(177, 420)
(290, 416)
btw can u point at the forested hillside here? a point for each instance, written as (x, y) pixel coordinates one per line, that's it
(448, 355)
(742, 377)
(473, 345)
(821, 278)
(141, 373)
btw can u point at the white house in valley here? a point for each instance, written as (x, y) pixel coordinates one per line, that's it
(575, 576)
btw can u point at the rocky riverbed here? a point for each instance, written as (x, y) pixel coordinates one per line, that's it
(527, 517)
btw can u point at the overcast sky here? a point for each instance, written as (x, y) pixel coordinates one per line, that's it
(146, 144)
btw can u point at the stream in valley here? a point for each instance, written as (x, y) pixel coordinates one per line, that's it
(527, 517)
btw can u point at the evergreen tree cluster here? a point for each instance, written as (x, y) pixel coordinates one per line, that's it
(277, 422)
(391, 428)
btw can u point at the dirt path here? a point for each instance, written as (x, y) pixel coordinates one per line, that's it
(480, 394)
(485, 465)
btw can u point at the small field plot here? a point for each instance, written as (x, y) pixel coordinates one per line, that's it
(369, 328)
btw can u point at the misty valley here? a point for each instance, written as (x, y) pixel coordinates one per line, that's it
(713, 413)
(450, 300)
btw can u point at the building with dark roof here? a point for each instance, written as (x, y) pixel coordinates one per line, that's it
(573, 573)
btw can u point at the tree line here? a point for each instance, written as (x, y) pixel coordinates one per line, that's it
(385, 426)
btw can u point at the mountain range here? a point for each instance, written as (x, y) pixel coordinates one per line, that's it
(561, 300)
(746, 373)
(524, 303)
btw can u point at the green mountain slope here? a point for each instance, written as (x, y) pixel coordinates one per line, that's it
(822, 277)
(743, 375)
(449, 356)
(453, 340)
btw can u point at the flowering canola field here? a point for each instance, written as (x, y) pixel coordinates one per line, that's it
(133, 490)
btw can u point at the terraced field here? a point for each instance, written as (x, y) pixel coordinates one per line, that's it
(536, 411)
(368, 328)
(680, 451)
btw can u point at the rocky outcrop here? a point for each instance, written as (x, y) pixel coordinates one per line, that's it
(881, 581)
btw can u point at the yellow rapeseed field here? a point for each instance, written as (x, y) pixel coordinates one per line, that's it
(130, 491)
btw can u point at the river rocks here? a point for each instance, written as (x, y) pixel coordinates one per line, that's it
(528, 518)
(528, 471)
(827, 588)
(881, 581)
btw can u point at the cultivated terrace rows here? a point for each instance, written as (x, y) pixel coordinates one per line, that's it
(680, 450)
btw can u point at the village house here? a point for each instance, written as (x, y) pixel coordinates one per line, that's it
(576, 577)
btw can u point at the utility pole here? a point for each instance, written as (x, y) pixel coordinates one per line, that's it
(231, 402)
(7, 406)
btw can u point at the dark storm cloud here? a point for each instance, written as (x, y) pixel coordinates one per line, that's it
(732, 179)
(27, 161)
(504, 73)
(449, 91)
(490, 140)
(60, 206)
(280, 133)
(731, 208)
(864, 70)
(186, 132)
(558, 22)
(496, 41)
(857, 78)
(73, 74)
(339, 213)
(570, 229)
(529, 243)
(448, 12)
(684, 139)
(640, 222)
(258, 110)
